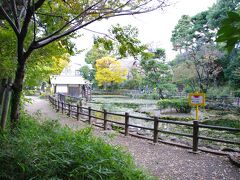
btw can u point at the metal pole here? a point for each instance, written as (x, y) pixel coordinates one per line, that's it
(197, 112)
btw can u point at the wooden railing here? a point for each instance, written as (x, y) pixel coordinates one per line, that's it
(89, 114)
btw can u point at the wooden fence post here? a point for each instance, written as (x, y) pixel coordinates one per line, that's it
(55, 103)
(80, 105)
(69, 110)
(89, 115)
(126, 123)
(78, 112)
(195, 135)
(62, 106)
(5, 105)
(155, 131)
(105, 119)
(58, 105)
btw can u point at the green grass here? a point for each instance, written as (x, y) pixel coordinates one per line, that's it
(48, 151)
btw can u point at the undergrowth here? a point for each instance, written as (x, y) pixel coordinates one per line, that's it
(224, 122)
(48, 151)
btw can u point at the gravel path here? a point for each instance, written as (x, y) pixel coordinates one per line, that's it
(163, 161)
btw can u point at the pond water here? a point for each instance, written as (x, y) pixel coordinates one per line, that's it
(148, 108)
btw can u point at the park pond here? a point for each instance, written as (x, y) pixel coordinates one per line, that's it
(148, 109)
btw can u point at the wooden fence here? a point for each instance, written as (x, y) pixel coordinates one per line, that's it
(88, 114)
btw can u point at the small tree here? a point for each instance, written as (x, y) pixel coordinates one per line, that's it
(87, 72)
(109, 70)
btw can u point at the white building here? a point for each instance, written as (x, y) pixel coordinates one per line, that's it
(69, 82)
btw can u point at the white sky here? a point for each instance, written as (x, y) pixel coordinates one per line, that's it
(154, 28)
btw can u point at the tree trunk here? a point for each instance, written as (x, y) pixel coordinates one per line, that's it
(160, 94)
(105, 86)
(111, 86)
(16, 95)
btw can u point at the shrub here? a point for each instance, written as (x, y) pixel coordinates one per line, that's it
(219, 91)
(30, 92)
(177, 118)
(44, 95)
(181, 105)
(223, 122)
(48, 151)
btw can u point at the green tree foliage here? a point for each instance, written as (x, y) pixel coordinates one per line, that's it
(157, 74)
(229, 31)
(87, 72)
(201, 29)
(122, 40)
(135, 79)
(7, 53)
(41, 64)
(180, 34)
(95, 53)
(219, 10)
(231, 70)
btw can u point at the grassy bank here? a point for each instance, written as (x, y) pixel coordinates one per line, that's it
(48, 151)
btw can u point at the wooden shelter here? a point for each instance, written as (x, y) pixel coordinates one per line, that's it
(75, 86)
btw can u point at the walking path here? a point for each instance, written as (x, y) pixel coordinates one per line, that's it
(163, 161)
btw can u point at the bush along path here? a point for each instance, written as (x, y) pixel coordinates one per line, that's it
(49, 151)
(162, 161)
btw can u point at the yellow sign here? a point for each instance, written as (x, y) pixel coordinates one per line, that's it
(196, 99)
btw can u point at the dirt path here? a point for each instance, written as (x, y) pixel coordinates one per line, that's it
(163, 161)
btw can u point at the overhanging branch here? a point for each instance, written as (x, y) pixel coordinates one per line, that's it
(9, 20)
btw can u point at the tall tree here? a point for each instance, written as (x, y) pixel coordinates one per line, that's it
(47, 21)
(181, 35)
(157, 73)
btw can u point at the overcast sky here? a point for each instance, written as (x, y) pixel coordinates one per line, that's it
(155, 28)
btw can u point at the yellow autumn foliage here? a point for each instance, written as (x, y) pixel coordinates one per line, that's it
(109, 70)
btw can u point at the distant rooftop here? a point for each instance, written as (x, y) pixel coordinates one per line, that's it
(68, 80)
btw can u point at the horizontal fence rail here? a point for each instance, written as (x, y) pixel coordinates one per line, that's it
(88, 114)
